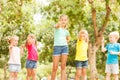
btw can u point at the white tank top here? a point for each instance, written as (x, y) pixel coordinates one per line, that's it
(14, 57)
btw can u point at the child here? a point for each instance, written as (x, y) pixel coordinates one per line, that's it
(14, 63)
(81, 55)
(61, 38)
(32, 58)
(112, 49)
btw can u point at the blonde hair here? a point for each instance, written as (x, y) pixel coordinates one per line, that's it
(32, 36)
(115, 34)
(12, 38)
(85, 32)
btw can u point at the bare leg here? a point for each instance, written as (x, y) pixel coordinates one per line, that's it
(15, 75)
(108, 76)
(33, 74)
(11, 76)
(78, 73)
(84, 77)
(55, 66)
(115, 76)
(28, 73)
(63, 66)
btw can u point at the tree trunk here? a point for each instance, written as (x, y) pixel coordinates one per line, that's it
(92, 62)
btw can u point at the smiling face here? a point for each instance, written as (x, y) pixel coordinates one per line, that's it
(31, 39)
(83, 35)
(63, 20)
(14, 41)
(113, 37)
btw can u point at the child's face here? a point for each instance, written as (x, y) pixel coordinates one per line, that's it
(31, 40)
(112, 39)
(64, 20)
(83, 35)
(14, 42)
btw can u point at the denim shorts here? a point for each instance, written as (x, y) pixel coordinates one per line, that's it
(82, 64)
(59, 50)
(31, 64)
(14, 67)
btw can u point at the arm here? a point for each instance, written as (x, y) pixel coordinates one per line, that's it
(58, 25)
(10, 49)
(68, 38)
(114, 53)
(103, 48)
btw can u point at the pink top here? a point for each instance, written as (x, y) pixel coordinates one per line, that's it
(32, 52)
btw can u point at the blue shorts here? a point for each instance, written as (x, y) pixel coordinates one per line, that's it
(59, 50)
(14, 67)
(82, 64)
(31, 64)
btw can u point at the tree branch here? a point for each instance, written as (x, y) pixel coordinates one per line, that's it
(94, 22)
(102, 30)
(94, 18)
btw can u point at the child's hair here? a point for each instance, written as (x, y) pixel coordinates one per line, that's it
(85, 32)
(63, 15)
(115, 34)
(12, 38)
(32, 36)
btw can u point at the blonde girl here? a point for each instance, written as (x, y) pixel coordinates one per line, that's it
(32, 58)
(81, 55)
(61, 39)
(14, 63)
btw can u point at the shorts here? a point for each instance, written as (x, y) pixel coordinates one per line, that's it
(112, 68)
(14, 67)
(59, 50)
(31, 64)
(82, 64)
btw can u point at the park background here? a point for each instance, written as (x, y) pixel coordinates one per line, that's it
(21, 17)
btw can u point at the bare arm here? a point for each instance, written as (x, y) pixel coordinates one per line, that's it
(58, 25)
(103, 48)
(68, 38)
(10, 49)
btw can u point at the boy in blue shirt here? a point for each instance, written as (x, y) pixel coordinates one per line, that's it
(113, 50)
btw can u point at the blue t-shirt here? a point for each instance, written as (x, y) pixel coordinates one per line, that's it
(60, 35)
(111, 58)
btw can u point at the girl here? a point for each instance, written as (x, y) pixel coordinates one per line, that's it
(14, 63)
(81, 55)
(32, 58)
(61, 38)
(113, 50)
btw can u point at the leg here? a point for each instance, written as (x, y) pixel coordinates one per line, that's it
(63, 66)
(28, 73)
(15, 75)
(115, 76)
(108, 76)
(55, 66)
(11, 76)
(84, 77)
(78, 73)
(33, 74)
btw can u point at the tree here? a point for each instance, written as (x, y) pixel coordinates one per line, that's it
(89, 15)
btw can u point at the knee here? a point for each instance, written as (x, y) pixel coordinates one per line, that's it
(63, 66)
(28, 74)
(55, 68)
(77, 75)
